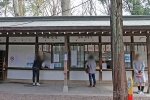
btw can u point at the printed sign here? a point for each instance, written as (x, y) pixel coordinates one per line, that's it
(127, 58)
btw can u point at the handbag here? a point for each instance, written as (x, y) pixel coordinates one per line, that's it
(87, 70)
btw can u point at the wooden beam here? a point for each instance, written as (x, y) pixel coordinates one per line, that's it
(72, 28)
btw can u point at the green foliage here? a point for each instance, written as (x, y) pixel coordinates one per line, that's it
(133, 7)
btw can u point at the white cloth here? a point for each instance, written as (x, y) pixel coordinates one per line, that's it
(46, 63)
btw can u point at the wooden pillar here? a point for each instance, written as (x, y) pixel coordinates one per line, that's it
(148, 61)
(6, 56)
(100, 59)
(65, 89)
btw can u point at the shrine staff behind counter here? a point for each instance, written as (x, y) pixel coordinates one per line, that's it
(47, 63)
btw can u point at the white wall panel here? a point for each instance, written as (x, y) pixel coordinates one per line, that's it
(51, 75)
(2, 39)
(84, 39)
(22, 39)
(2, 47)
(27, 74)
(81, 75)
(20, 53)
(139, 38)
(105, 39)
(51, 39)
(107, 75)
(126, 38)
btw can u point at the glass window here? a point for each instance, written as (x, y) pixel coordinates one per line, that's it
(92, 50)
(142, 50)
(106, 57)
(58, 55)
(77, 56)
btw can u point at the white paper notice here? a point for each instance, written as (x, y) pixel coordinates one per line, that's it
(51, 66)
(104, 65)
(73, 58)
(65, 57)
(56, 58)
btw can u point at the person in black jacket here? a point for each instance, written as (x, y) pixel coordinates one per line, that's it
(36, 70)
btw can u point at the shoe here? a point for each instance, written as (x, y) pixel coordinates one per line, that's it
(90, 86)
(38, 84)
(34, 84)
(93, 85)
(141, 93)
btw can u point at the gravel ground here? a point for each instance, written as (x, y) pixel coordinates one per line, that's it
(10, 96)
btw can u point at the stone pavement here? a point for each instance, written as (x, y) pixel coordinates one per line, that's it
(16, 91)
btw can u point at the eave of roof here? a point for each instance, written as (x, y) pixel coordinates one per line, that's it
(69, 18)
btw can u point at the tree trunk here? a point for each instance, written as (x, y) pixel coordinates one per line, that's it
(66, 10)
(16, 8)
(119, 74)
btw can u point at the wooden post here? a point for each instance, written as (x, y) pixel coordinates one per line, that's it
(119, 74)
(148, 61)
(66, 11)
(65, 89)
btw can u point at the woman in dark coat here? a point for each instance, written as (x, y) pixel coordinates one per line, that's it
(36, 70)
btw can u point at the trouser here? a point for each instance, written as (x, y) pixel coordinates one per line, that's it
(92, 76)
(36, 73)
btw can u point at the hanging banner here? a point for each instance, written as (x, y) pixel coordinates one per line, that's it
(127, 58)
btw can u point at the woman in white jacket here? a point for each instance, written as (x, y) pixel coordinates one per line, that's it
(139, 75)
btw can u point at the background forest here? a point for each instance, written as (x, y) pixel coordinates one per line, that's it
(9, 8)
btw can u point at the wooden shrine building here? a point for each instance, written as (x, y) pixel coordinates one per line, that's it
(22, 37)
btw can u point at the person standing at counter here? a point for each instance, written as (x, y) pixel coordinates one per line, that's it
(139, 75)
(91, 64)
(36, 70)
